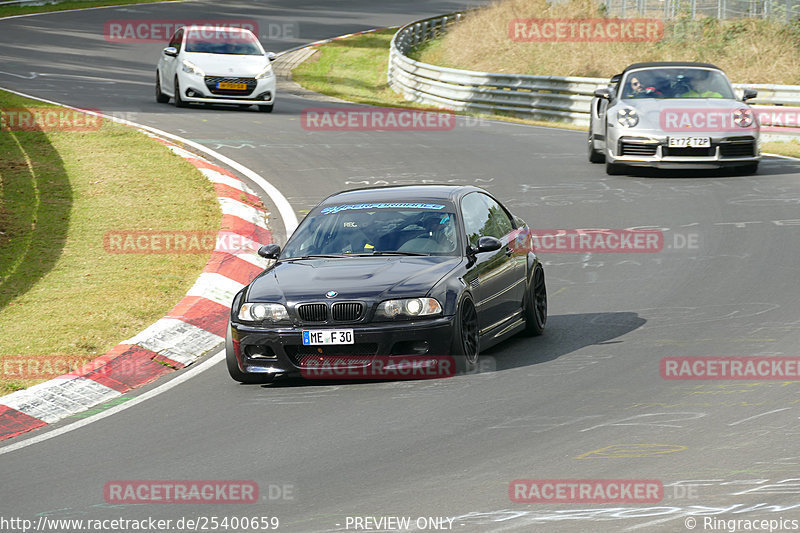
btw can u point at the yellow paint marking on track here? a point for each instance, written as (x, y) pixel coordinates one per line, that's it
(619, 451)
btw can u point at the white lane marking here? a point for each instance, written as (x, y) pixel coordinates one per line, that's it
(284, 208)
(756, 416)
(85, 9)
(190, 373)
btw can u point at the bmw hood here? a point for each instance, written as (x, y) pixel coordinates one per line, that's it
(356, 278)
(689, 116)
(240, 66)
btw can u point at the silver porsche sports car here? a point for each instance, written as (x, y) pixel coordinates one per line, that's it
(673, 115)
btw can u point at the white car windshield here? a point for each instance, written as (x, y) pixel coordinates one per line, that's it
(676, 83)
(222, 41)
(375, 229)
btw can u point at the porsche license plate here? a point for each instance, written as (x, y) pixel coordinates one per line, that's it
(327, 336)
(231, 86)
(690, 142)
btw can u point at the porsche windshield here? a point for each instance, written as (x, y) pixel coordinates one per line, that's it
(676, 83)
(426, 229)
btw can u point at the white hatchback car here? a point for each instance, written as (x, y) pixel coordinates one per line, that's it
(215, 65)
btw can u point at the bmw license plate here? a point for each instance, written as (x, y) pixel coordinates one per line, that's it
(327, 336)
(231, 86)
(690, 142)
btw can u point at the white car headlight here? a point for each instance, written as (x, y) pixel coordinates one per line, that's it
(266, 73)
(627, 117)
(191, 68)
(743, 118)
(259, 312)
(408, 308)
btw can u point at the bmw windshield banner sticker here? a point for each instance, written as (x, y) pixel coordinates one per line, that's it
(393, 205)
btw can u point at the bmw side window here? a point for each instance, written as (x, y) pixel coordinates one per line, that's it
(475, 215)
(499, 224)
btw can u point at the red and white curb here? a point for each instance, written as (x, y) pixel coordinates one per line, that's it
(193, 328)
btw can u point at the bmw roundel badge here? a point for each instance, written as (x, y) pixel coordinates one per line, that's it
(331, 294)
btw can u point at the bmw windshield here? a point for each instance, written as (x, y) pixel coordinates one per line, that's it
(374, 229)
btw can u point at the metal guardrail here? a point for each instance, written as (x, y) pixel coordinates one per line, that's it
(553, 98)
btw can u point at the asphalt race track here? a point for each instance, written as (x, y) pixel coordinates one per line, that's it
(585, 401)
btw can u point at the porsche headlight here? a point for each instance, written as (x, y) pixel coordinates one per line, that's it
(408, 308)
(743, 118)
(266, 73)
(627, 117)
(260, 312)
(191, 68)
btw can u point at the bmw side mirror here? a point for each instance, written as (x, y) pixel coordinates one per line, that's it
(171, 51)
(272, 56)
(749, 94)
(605, 93)
(488, 244)
(269, 251)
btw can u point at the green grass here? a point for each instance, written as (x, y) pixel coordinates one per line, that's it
(790, 148)
(354, 69)
(62, 296)
(11, 10)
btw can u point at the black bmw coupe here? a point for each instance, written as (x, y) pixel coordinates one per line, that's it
(385, 273)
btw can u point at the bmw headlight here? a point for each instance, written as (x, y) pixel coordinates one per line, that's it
(627, 117)
(260, 312)
(266, 73)
(743, 118)
(191, 68)
(408, 308)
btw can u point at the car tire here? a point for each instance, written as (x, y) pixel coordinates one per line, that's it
(233, 366)
(161, 98)
(466, 341)
(536, 303)
(614, 169)
(266, 108)
(177, 100)
(595, 156)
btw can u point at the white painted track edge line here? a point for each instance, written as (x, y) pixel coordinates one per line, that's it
(188, 374)
(285, 210)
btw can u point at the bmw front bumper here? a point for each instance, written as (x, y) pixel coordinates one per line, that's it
(280, 351)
